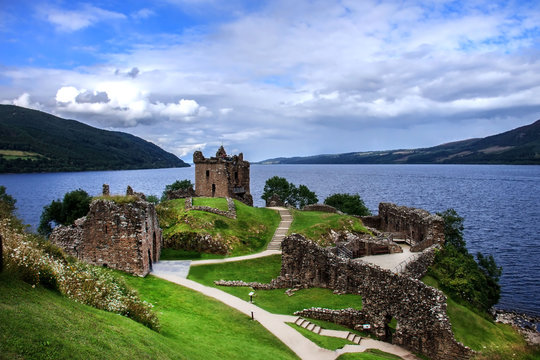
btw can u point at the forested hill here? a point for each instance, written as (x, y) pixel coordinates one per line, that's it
(34, 141)
(518, 146)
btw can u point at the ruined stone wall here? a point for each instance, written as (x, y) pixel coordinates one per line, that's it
(419, 226)
(420, 310)
(222, 176)
(126, 237)
(320, 207)
(358, 245)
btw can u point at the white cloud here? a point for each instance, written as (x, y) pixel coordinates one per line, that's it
(73, 20)
(143, 14)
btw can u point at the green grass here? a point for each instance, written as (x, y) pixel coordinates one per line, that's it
(326, 342)
(333, 326)
(17, 154)
(369, 354)
(36, 323)
(276, 301)
(316, 225)
(250, 232)
(495, 341)
(173, 254)
(216, 203)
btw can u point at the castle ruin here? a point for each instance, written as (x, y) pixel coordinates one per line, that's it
(222, 176)
(123, 236)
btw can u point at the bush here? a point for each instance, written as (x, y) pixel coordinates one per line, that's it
(177, 185)
(459, 275)
(288, 192)
(75, 204)
(36, 261)
(153, 199)
(349, 204)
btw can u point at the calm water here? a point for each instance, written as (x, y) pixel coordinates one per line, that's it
(500, 204)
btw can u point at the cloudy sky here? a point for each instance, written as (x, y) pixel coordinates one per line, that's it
(279, 77)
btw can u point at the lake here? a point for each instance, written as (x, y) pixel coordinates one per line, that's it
(500, 203)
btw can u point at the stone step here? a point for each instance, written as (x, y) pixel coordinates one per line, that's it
(317, 329)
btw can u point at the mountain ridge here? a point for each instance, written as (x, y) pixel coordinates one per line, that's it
(35, 141)
(520, 146)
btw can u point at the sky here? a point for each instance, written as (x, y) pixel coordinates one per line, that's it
(277, 78)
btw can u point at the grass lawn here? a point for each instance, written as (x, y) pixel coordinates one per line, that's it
(216, 203)
(316, 225)
(495, 341)
(326, 342)
(36, 323)
(369, 354)
(276, 301)
(249, 233)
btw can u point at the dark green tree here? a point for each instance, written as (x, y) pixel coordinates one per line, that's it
(472, 283)
(288, 192)
(453, 229)
(75, 204)
(348, 203)
(304, 196)
(281, 187)
(7, 203)
(177, 185)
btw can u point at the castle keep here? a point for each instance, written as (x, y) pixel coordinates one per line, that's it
(222, 176)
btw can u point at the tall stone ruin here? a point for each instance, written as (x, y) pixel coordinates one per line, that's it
(222, 176)
(122, 236)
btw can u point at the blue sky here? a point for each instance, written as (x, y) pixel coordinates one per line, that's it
(277, 78)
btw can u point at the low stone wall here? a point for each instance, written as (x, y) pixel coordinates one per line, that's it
(320, 207)
(418, 267)
(180, 193)
(357, 245)
(231, 213)
(420, 310)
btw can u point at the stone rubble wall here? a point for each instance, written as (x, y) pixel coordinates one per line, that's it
(180, 193)
(363, 244)
(231, 213)
(419, 309)
(419, 226)
(418, 268)
(320, 207)
(125, 237)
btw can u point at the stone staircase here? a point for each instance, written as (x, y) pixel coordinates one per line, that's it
(308, 325)
(281, 231)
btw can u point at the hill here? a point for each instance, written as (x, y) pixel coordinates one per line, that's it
(518, 146)
(34, 141)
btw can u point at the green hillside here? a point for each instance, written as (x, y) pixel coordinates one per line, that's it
(518, 146)
(34, 141)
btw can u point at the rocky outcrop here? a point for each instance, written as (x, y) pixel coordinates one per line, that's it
(122, 236)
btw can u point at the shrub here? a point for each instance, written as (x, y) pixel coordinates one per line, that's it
(153, 199)
(75, 204)
(177, 185)
(348, 203)
(36, 261)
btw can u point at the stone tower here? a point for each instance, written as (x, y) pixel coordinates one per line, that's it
(222, 176)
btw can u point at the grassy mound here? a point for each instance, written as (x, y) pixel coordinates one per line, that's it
(37, 323)
(276, 301)
(250, 232)
(316, 225)
(493, 340)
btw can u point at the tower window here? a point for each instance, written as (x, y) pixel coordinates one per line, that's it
(207, 173)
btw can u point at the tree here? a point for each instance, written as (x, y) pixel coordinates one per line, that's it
(304, 196)
(288, 192)
(348, 203)
(279, 186)
(453, 229)
(461, 277)
(177, 185)
(75, 204)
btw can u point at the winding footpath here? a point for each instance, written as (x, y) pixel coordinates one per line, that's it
(177, 271)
